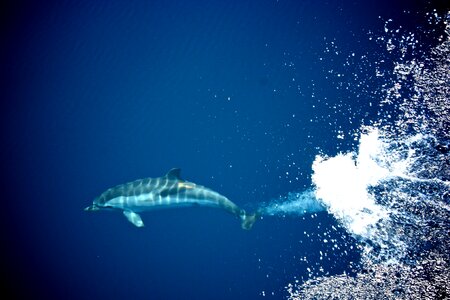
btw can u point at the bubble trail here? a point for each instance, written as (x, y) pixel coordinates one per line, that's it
(295, 203)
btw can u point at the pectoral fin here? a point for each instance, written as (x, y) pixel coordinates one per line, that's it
(133, 218)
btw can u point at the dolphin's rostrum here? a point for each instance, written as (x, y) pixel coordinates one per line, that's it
(165, 192)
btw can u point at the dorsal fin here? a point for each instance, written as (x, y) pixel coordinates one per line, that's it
(174, 174)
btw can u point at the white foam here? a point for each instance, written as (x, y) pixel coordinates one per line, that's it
(342, 181)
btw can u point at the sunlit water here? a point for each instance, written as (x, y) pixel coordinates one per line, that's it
(392, 193)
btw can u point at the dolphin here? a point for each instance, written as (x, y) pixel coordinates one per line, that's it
(168, 191)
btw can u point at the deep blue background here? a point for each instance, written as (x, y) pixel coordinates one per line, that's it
(236, 93)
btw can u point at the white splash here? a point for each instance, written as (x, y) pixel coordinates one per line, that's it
(392, 193)
(342, 181)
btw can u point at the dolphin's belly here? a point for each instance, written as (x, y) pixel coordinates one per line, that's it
(146, 202)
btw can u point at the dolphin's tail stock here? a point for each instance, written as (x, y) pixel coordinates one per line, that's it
(247, 220)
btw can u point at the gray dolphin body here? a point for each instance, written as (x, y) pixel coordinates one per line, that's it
(168, 191)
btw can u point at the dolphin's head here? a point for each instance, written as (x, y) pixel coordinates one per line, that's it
(93, 207)
(99, 205)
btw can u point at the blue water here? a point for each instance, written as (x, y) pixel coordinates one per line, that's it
(237, 94)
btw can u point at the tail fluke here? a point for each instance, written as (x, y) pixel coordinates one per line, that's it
(248, 220)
